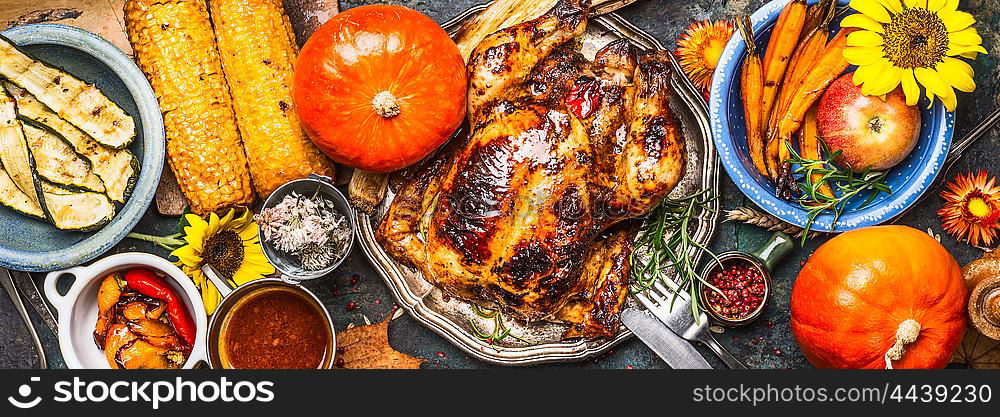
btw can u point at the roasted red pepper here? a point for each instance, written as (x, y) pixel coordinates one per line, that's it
(147, 283)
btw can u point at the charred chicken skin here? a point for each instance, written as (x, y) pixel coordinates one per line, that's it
(527, 213)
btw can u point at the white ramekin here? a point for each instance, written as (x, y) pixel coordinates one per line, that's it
(77, 309)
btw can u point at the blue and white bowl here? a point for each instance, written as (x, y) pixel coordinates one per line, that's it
(908, 180)
(32, 245)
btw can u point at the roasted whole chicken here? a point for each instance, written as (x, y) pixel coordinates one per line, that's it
(528, 212)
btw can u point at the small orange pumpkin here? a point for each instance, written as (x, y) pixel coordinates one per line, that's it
(379, 87)
(879, 297)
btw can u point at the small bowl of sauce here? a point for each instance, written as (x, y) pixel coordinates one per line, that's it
(271, 324)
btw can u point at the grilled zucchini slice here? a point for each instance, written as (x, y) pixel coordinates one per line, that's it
(14, 154)
(76, 211)
(118, 169)
(56, 162)
(17, 200)
(77, 102)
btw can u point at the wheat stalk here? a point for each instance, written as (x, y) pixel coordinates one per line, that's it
(772, 224)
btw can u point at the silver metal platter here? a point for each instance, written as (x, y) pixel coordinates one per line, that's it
(541, 342)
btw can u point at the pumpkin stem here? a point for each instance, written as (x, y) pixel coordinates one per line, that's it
(906, 333)
(386, 105)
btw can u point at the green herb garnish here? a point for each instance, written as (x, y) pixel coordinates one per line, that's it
(844, 181)
(500, 329)
(666, 238)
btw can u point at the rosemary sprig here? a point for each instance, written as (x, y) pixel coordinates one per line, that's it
(844, 181)
(665, 243)
(500, 329)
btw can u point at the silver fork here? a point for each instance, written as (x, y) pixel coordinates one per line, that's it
(657, 299)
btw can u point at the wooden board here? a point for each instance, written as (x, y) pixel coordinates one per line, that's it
(103, 17)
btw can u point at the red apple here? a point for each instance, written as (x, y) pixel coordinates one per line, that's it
(870, 131)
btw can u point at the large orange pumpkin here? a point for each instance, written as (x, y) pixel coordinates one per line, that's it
(379, 87)
(877, 289)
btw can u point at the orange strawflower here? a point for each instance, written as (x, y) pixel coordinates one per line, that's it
(972, 208)
(699, 49)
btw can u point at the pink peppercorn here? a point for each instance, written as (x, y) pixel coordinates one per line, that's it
(742, 289)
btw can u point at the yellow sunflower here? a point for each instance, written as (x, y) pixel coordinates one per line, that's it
(700, 47)
(229, 244)
(912, 43)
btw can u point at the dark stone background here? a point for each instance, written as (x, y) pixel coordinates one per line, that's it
(767, 343)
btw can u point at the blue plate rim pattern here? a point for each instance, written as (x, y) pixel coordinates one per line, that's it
(153, 134)
(722, 81)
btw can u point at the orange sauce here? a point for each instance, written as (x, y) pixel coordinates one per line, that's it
(275, 328)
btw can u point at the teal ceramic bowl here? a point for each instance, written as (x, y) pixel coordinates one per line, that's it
(32, 245)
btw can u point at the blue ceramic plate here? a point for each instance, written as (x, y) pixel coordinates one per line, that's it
(908, 180)
(32, 245)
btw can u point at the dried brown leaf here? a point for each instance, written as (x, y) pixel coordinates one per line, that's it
(977, 351)
(367, 347)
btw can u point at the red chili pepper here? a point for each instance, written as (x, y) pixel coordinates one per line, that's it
(147, 283)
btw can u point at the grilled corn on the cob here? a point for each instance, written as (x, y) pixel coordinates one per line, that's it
(175, 46)
(258, 52)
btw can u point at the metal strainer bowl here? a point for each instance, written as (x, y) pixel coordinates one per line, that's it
(289, 264)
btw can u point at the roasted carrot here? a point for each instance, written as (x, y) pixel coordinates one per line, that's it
(813, 42)
(827, 67)
(772, 157)
(751, 87)
(830, 64)
(784, 38)
(809, 140)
